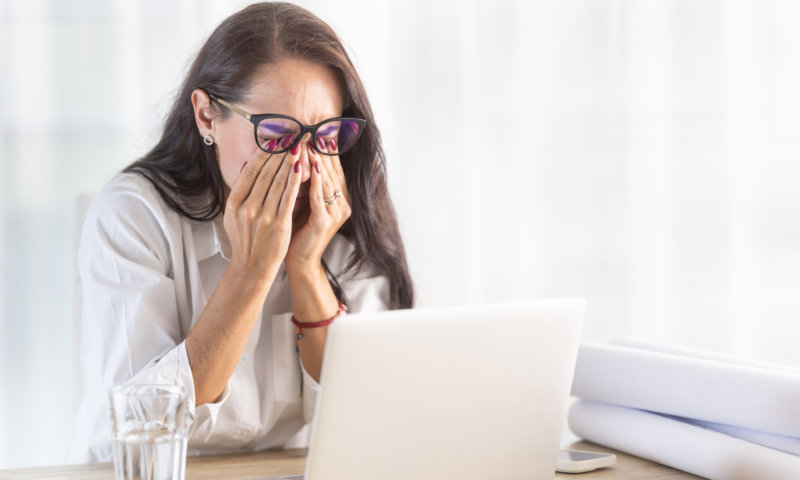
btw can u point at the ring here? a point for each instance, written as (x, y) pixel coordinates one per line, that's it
(338, 193)
(332, 199)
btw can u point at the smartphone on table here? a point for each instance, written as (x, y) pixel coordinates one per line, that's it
(573, 461)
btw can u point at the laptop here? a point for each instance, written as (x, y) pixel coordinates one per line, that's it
(461, 393)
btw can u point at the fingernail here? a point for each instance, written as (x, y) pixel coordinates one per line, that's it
(296, 149)
(286, 141)
(332, 143)
(321, 143)
(316, 167)
(272, 144)
(243, 165)
(297, 166)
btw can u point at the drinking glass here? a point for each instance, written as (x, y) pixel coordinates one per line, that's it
(149, 425)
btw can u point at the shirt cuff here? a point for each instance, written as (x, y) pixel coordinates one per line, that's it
(311, 390)
(173, 369)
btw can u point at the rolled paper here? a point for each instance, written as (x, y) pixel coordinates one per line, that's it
(752, 397)
(678, 444)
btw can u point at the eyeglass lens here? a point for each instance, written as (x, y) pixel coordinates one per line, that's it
(335, 136)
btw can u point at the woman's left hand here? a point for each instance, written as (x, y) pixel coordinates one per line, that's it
(329, 208)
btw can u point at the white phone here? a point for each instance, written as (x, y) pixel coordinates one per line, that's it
(573, 461)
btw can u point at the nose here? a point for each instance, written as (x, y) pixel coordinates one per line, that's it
(306, 149)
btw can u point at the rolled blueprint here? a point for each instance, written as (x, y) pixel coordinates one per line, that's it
(746, 396)
(678, 444)
(703, 354)
(778, 442)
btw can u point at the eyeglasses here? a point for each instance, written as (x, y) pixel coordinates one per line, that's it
(279, 133)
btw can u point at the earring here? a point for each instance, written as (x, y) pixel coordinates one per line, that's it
(208, 140)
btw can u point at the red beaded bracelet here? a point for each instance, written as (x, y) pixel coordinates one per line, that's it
(301, 325)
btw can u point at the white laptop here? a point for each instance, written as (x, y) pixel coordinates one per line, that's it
(456, 393)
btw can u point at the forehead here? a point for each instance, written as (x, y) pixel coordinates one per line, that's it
(307, 91)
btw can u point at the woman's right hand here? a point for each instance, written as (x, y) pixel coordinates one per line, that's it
(258, 213)
(258, 221)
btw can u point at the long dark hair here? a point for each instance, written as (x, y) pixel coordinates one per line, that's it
(186, 174)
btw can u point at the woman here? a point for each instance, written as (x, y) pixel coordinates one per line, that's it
(218, 259)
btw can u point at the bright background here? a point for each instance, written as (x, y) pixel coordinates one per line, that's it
(641, 154)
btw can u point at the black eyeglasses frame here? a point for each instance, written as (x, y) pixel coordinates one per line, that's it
(255, 119)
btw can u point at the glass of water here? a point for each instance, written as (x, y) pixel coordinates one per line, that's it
(149, 425)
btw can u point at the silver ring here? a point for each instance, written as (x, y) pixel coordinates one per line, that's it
(331, 200)
(338, 193)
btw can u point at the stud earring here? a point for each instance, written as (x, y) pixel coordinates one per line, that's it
(208, 140)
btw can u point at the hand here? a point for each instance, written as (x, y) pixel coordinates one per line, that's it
(314, 228)
(258, 222)
(258, 213)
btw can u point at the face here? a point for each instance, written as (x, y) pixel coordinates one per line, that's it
(306, 91)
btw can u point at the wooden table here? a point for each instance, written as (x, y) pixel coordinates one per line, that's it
(245, 466)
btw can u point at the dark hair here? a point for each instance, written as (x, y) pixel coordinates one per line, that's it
(186, 173)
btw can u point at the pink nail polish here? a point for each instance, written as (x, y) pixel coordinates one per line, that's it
(272, 144)
(321, 143)
(286, 141)
(316, 167)
(297, 166)
(296, 149)
(332, 143)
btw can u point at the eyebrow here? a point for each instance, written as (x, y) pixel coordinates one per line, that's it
(276, 128)
(328, 128)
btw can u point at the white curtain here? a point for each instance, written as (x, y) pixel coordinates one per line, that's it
(641, 154)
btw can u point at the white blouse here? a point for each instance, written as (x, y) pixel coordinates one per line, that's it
(146, 273)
